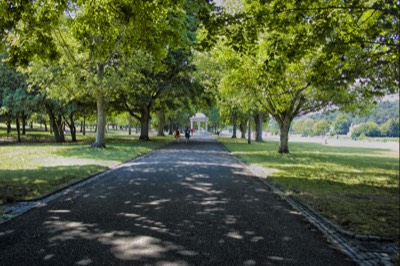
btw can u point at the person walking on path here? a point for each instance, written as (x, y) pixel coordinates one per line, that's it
(187, 135)
(177, 135)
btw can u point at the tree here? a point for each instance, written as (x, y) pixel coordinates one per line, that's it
(342, 123)
(15, 100)
(307, 55)
(321, 128)
(86, 38)
(304, 126)
(259, 119)
(55, 111)
(369, 129)
(391, 128)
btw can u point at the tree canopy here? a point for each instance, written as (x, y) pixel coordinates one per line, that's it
(87, 39)
(286, 58)
(301, 57)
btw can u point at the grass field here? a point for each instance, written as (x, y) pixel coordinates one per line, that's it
(358, 188)
(38, 166)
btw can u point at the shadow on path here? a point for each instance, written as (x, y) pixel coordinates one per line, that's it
(186, 204)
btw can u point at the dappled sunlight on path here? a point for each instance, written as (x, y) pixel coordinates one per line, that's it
(182, 205)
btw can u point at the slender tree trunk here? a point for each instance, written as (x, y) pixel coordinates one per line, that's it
(161, 121)
(18, 129)
(258, 118)
(23, 123)
(72, 127)
(171, 128)
(73, 132)
(84, 126)
(130, 124)
(243, 128)
(101, 121)
(284, 126)
(234, 117)
(144, 125)
(249, 131)
(8, 125)
(45, 126)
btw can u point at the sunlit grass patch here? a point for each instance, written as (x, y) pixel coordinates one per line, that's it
(356, 187)
(30, 170)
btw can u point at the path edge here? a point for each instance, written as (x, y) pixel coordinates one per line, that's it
(345, 241)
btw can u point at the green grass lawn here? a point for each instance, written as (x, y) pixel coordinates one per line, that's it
(358, 188)
(38, 166)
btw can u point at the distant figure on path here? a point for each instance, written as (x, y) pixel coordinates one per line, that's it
(187, 134)
(177, 136)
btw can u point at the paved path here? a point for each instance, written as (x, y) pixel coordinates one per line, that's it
(181, 205)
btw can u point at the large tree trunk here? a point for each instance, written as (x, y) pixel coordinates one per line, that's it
(243, 128)
(101, 112)
(161, 121)
(144, 125)
(56, 125)
(258, 119)
(234, 118)
(100, 141)
(18, 129)
(58, 128)
(284, 126)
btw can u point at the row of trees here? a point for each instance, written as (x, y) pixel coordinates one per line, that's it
(382, 121)
(291, 58)
(371, 129)
(22, 105)
(279, 58)
(310, 127)
(121, 56)
(384, 111)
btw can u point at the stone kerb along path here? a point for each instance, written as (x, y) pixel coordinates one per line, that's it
(184, 204)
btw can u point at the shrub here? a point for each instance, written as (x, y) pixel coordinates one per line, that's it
(391, 128)
(369, 129)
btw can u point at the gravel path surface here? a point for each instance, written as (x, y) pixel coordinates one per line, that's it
(185, 204)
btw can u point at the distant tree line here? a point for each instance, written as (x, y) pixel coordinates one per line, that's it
(381, 121)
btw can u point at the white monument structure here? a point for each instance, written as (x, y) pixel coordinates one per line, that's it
(199, 117)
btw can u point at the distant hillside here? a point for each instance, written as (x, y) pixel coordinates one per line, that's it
(382, 113)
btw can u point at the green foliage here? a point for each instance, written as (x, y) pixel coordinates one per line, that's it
(299, 57)
(309, 127)
(321, 128)
(369, 129)
(380, 114)
(391, 128)
(305, 127)
(342, 123)
(85, 44)
(15, 99)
